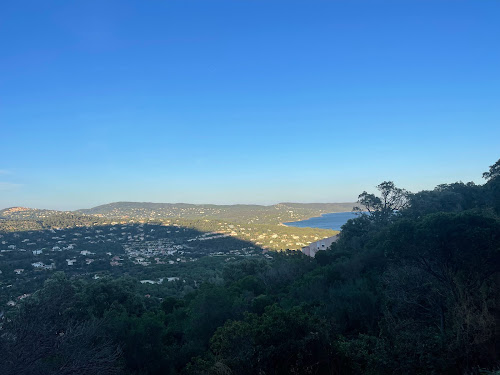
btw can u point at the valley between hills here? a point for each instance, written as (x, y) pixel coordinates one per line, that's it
(169, 248)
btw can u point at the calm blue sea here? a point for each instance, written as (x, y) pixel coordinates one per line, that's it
(326, 221)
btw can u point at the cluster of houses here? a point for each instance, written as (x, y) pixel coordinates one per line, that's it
(160, 280)
(140, 244)
(44, 266)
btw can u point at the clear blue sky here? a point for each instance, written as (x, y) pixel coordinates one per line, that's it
(255, 101)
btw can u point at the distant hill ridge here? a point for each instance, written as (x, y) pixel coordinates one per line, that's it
(341, 207)
(240, 213)
(24, 213)
(248, 213)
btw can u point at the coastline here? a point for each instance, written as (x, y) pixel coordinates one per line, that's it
(308, 218)
(313, 217)
(322, 222)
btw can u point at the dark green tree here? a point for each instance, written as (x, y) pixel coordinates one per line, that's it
(382, 207)
(493, 172)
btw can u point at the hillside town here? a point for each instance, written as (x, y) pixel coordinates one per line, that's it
(135, 248)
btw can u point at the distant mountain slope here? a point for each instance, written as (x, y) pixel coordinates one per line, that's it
(23, 218)
(24, 213)
(257, 214)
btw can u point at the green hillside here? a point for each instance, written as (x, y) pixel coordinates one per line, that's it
(410, 288)
(251, 214)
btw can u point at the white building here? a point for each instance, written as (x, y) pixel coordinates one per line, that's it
(314, 247)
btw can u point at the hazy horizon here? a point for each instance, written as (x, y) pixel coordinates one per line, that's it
(247, 101)
(173, 203)
(56, 205)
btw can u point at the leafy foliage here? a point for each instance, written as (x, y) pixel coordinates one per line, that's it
(412, 292)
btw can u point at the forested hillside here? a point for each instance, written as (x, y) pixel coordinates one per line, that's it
(56, 219)
(238, 213)
(412, 287)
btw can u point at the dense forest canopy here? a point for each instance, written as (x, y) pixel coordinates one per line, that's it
(412, 287)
